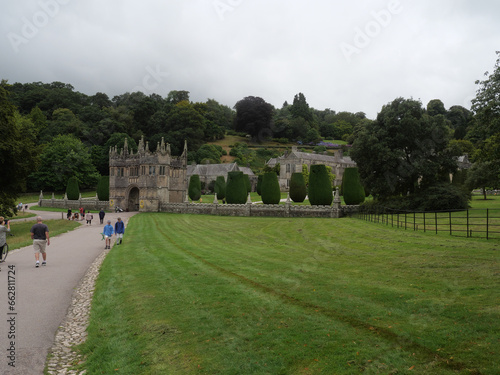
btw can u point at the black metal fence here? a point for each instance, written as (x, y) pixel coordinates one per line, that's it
(477, 223)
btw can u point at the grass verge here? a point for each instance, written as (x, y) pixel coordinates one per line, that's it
(21, 231)
(191, 294)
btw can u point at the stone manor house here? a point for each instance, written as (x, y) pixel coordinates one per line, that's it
(292, 162)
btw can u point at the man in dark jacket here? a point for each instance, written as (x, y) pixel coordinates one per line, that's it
(101, 215)
(119, 230)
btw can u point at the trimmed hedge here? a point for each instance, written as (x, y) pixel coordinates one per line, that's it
(72, 189)
(194, 188)
(320, 186)
(354, 193)
(220, 187)
(298, 189)
(236, 189)
(248, 184)
(103, 188)
(270, 188)
(259, 184)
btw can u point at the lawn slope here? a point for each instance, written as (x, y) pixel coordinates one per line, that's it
(191, 294)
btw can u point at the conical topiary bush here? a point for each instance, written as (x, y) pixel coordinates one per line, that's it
(72, 189)
(270, 188)
(194, 188)
(320, 187)
(220, 187)
(354, 193)
(236, 189)
(103, 188)
(259, 184)
(298, 189)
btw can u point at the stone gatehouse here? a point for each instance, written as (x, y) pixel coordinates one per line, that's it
(145, 180)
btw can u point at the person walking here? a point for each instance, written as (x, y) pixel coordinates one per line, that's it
(89, 217)
(119, 231)
(108, 233)
(4, 228)
(101, 216)
(40, 237)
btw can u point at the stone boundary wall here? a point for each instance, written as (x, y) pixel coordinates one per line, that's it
(259, 210)
(88, 204)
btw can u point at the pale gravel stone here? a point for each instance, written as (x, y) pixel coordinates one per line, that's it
(73, 331)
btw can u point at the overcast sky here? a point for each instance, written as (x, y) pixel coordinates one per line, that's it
(344, 55)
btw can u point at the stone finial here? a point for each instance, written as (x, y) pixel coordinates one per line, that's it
(140, 147)
(41, 195)
(249, 200)
(336, 199)
(288, 201)
(215, 199)
(125, 147)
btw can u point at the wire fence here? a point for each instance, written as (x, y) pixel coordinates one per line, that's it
(476, 223)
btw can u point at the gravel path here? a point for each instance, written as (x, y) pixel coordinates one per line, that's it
(51, 303)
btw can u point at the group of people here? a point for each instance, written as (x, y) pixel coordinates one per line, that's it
(118, 231)
(84, 216)
(41, 238)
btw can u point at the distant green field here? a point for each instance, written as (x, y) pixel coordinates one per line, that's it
(189, 294)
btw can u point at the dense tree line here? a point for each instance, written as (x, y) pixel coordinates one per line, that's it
(50, 132)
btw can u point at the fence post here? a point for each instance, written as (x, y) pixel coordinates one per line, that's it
(450, 226)
(436, 221)
(424, 221)
(487, 219)
(467, 223)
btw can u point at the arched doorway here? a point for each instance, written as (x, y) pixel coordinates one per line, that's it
(133, 199)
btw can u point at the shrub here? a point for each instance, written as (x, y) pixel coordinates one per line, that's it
(259, 184)
(211, 186)
(320, 187)
(72, 189)
(103, 188)
(298, 190)
(194, 188)
(354, 193)
(248, 184)
(271, 193)
(236, 189)
(441, 196)
(220, 187)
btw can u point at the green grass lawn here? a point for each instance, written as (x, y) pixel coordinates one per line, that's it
(190, 294)
(22, 236)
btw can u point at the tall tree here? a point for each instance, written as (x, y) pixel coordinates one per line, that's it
(66, 156)
(300, 108)
(18, 153)
(253, 116)
(435, 107)
(486, 104)
(402, 150)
